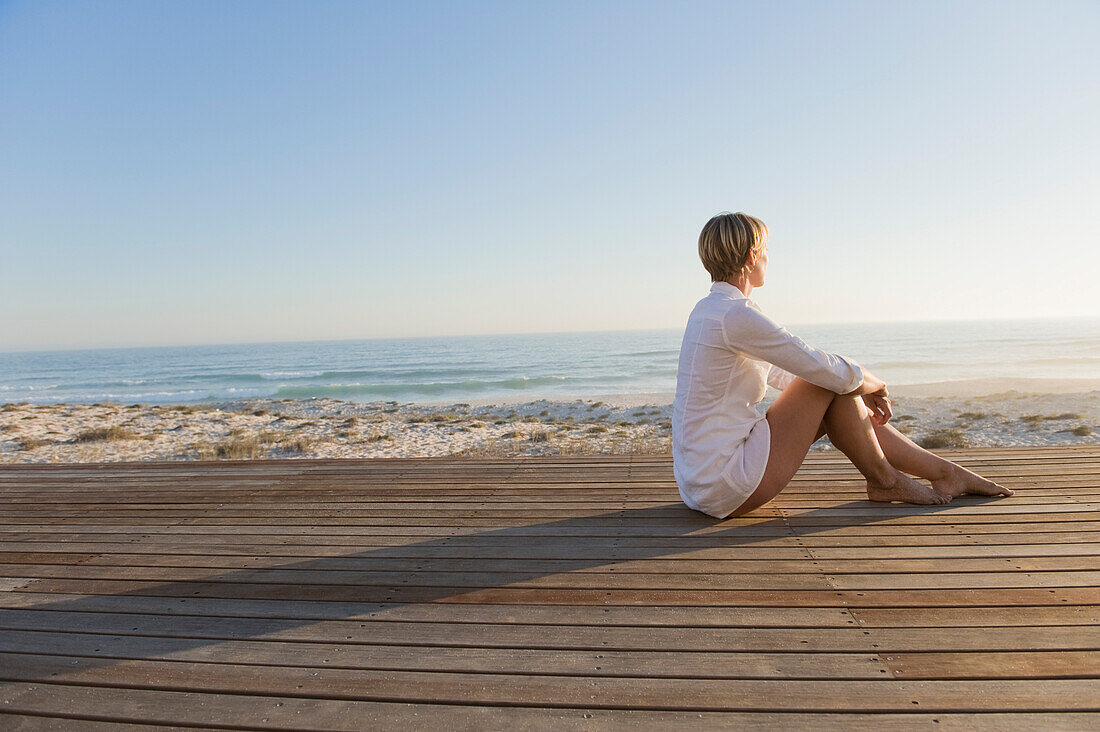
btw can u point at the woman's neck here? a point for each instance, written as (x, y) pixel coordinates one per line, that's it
(742, 284)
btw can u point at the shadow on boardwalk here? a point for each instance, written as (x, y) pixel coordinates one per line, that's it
(366, 585)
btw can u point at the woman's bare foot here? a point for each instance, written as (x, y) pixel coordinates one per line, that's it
(960, 481)
(906, 490)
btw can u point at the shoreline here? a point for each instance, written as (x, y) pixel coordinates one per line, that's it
(477, 396)
(613, 424)
(961, 389)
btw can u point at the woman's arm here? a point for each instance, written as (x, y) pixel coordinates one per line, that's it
(756, 334)
(749, 331)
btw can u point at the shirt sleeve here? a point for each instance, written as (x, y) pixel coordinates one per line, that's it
(778, 378)
(749, 331)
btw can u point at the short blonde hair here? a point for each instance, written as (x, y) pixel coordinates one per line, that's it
(726, 241)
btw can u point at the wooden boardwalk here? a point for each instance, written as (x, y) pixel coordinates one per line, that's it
(543, 592)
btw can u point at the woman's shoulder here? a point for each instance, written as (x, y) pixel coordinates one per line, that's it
(746, 318)
(744, 308)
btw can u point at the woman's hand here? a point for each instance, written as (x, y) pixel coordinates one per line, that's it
(879, 405)
(877, 398)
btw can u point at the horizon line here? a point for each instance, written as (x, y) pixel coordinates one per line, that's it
(514, 334)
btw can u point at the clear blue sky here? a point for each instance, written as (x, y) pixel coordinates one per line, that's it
(204, 172)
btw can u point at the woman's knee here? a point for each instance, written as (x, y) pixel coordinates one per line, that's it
(800, 384)
(845, 404)
(802, 401)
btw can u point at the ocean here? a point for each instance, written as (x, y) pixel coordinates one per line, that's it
(545, 365)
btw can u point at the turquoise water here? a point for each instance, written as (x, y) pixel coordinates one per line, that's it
(534, 365)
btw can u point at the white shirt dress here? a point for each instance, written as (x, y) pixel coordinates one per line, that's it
(730, 353)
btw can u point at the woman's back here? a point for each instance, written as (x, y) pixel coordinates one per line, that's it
(717, 389)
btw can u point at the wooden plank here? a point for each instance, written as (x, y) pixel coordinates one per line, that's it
(600, 692)
(561, 615)
(811, 496)
(273, 712)
(847, 639)
(597, 565)
(608, 529)
(562, 499)
(35, 723)
(521, 503)
(1078, 481)
(453, 477)
(520, 508)
(669, 545)
(535, 578)
(1030, 596)
(216, 548)
(637, 517)
(473, 660)
(1001, 665)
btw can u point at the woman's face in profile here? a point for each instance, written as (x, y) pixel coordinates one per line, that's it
(756, 275)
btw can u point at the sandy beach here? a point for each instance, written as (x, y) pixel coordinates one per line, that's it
(613, 424)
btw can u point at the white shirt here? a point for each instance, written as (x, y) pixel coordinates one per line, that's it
(731, 350)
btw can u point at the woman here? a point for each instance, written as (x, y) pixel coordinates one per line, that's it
(727, 457)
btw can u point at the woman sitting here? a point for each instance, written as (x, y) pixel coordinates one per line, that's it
(727, 457)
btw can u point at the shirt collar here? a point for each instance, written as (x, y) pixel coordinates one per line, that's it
(726, 289)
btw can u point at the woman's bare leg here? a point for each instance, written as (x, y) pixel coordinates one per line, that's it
(947, 477)
(848, 423)
(908, 456)
(794, 420)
